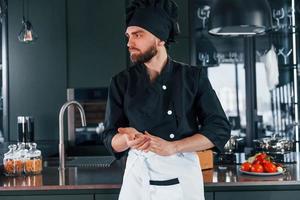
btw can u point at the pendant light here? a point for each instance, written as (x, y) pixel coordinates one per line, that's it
(240, 17)
(27, 34)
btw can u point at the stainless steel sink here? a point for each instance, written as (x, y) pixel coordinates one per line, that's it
(82, 161)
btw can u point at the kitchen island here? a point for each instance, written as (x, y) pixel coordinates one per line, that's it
(224, 182)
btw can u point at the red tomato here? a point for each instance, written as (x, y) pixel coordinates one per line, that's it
(257, 162)
(264, 161)
(246, 167)
(258, 168)
(270, 167)
(261, 157)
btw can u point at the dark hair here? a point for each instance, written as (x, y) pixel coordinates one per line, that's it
(168, 6)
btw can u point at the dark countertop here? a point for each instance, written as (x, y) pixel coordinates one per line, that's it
(221, 178)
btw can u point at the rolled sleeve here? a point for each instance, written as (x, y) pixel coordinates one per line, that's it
(108, 134)
(114, 116)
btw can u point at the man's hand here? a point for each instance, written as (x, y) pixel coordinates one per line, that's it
(135, 139)
(160, 146)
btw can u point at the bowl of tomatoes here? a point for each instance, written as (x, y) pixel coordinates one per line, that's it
(261, 164)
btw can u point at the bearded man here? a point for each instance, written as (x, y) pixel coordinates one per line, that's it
(160, 112)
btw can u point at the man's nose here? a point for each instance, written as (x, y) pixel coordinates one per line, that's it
(129, 42)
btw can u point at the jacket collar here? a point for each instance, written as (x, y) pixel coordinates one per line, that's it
(165, 74)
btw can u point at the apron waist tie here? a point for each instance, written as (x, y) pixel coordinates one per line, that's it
(140, 161)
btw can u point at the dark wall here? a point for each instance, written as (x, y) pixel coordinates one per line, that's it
(181, 49)
(96, 42)
(81, 45)
(37, 72)
(97, 45)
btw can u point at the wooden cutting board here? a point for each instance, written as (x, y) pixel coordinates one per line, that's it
(206, 159)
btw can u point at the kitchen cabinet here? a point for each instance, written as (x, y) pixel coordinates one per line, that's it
(183, 17)
(77, 47)
(179, 51)
(209, 195)
(50, 197)
(258, 195)
(106, 197)
(81, 44)
(37, 71)
(96, 42)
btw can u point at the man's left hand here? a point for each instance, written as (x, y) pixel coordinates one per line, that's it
(160, 146)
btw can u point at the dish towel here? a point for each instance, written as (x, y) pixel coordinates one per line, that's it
(271, 66)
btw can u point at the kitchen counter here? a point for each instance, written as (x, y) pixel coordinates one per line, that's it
(107, 181)
(219, 178)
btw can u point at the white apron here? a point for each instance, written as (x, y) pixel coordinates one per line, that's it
(149, 176)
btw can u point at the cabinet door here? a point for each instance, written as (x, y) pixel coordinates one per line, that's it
(37, 72)
(96, 42)
(183, 17)
(106, 197)
(258, 195)
(180, 50)
(209, 195)
(49, 197)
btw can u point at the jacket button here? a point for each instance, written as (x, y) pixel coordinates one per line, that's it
(164, 87)
(169, 112)
(172, 135)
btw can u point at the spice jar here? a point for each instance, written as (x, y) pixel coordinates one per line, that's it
(21, 153)
(33, 162)
(13, 165)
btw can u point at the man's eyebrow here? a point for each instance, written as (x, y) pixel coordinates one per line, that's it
(135, 32)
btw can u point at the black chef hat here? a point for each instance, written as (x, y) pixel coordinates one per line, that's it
(159, 17)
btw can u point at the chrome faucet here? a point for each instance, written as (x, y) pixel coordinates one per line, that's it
(61, 129)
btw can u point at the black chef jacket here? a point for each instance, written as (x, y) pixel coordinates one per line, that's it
(178, 104)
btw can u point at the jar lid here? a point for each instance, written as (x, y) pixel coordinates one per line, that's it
(33, 152)
(21, 150)
(11, 154)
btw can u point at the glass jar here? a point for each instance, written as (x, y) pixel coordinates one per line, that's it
(33, 162)
(21, 153)
(13, 165)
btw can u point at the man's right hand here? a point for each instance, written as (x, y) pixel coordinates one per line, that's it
(135, 139)
(129, 137)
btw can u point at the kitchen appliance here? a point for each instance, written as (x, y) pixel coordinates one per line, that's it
(93, 101)
(273, 145)
(232, 148)
(279, 148)
(235, 144)
(25, 129)
(235, 17)
(225, 158)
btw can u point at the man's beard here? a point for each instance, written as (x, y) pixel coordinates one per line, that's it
(144, 57)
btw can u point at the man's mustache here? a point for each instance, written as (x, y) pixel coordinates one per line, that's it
(130, 49)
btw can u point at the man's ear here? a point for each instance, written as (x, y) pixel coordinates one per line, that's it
(161, 43)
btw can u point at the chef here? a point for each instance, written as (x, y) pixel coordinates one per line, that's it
(160, 112)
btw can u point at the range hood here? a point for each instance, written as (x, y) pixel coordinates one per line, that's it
(240, 17)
